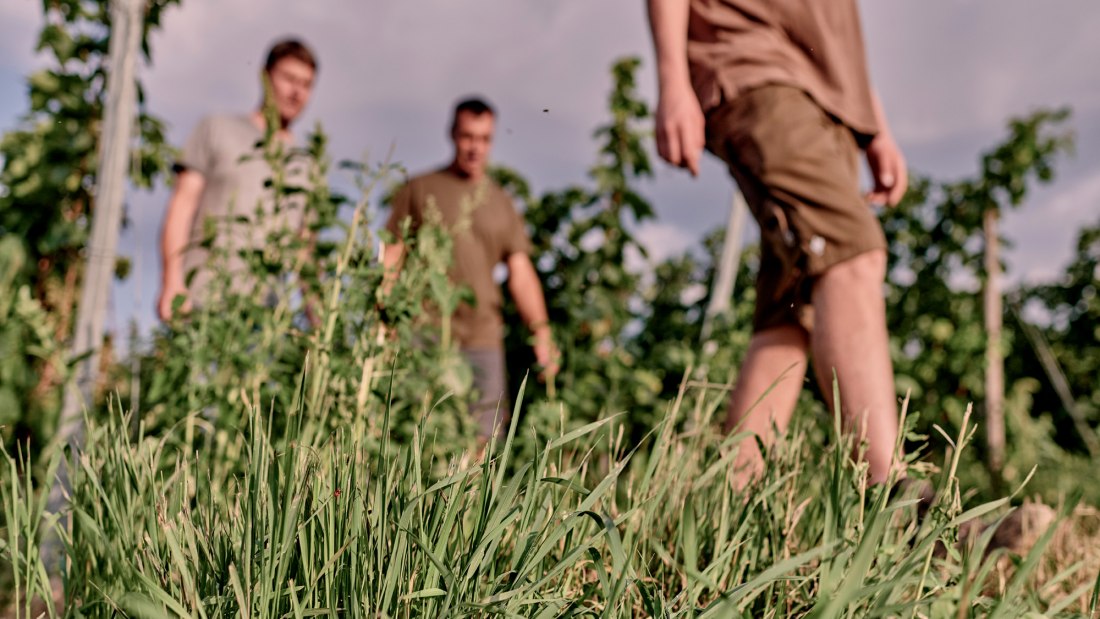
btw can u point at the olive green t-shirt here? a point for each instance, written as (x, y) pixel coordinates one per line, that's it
(486, 230)
(814, 45)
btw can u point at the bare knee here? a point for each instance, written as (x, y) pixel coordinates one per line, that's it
(866, 268)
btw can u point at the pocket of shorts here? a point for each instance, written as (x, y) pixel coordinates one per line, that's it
(776, 226)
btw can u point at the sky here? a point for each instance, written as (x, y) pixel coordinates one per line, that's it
(950, 74)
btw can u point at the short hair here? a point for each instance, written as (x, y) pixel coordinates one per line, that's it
(474, 105)
(290, 48)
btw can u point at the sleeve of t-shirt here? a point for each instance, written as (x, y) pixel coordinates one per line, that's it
(197, 154)
(401, 208)
(516, 240)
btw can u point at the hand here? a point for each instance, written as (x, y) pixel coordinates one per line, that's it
(312, 316)
(681, 128)
(168, 294)
(546, 354)
(888, 171)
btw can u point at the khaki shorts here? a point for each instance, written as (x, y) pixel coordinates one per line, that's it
(798, 168)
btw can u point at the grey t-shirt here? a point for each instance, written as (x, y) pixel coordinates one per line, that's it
(235, 204)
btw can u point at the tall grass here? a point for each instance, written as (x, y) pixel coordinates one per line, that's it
(335, 523)
(274, 471)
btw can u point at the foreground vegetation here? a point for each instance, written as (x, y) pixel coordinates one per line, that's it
(310, 521)
(311, 454)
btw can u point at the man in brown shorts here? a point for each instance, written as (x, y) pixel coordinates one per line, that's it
(486, 230)
(779, 90)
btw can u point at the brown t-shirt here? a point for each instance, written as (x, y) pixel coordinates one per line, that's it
(815, 45)
(486, 229)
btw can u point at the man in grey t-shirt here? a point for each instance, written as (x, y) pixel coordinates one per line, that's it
(221, 177)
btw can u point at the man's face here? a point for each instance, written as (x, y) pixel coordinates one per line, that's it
(291, 85)
(473, 138)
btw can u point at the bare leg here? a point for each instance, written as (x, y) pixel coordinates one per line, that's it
(762, 398)
(850, 338)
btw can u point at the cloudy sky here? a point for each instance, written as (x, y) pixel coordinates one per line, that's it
(950, 73)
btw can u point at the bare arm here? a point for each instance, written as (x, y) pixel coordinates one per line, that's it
(680, 122)
(888, 167)
(523, 283)
(182, 207)
(393, 255)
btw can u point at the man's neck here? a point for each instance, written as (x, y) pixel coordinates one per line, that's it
(260, 121)
(464, 175)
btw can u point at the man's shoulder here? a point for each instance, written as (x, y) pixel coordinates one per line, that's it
(214, 127)
(222, 119)
(444, 181)
(431, 177)
(435, 181)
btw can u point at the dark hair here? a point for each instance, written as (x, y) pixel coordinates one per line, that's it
(290, 48)
(474, 105)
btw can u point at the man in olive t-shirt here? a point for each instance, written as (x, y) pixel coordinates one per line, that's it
(779, 90)
(220, 182)
(486, 231)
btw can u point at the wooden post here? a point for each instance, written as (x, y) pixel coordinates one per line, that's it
(726, 275)
(994, 356)
(127, 22)
(127, 17)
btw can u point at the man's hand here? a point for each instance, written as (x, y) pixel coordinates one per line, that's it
(680, 124)
(681, 132)
(168, 294)
(310, 310)
(888, 171)
(546, 353)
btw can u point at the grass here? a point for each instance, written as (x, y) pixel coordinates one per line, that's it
(347, 523)
(247, 486)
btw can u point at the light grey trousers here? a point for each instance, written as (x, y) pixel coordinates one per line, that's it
(490, 404)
